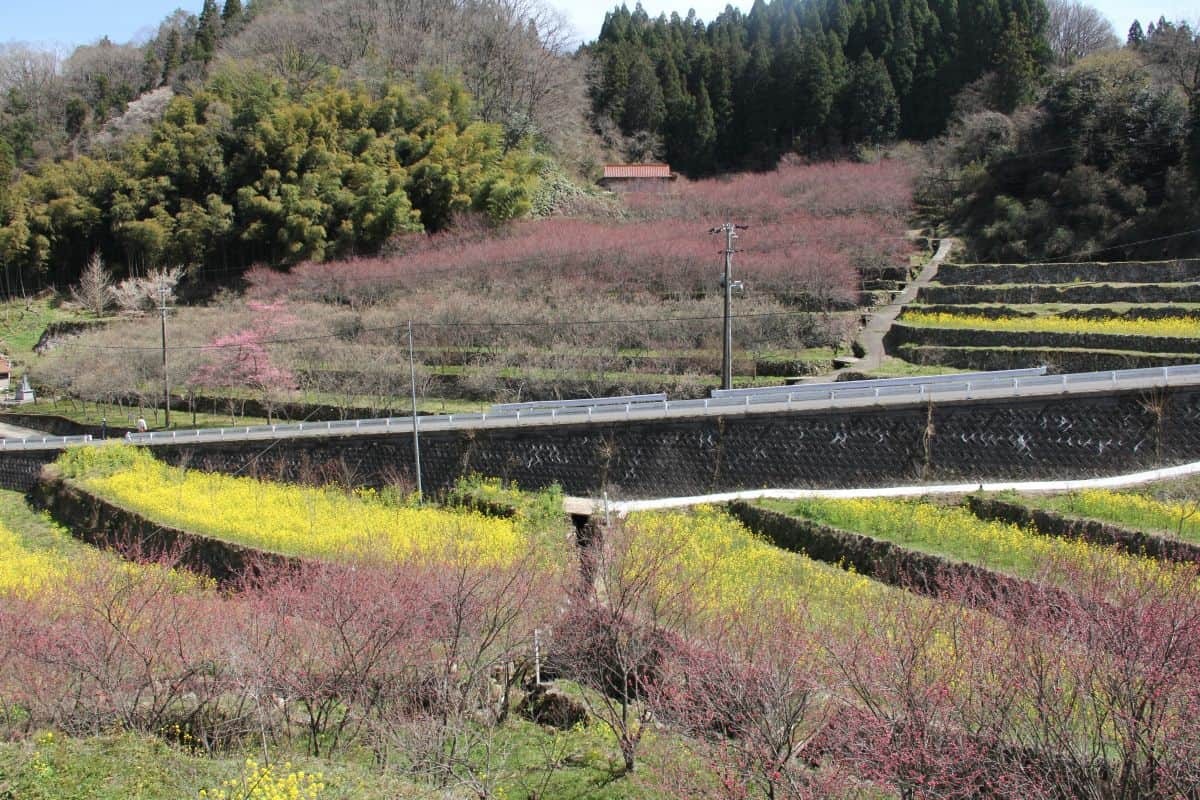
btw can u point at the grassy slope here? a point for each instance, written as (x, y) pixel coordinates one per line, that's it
(953, 533)
(1170, 508)
(539, 763)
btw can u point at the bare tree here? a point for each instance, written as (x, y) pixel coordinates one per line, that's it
(1076, 29)
(1173, 48)
(94, 290)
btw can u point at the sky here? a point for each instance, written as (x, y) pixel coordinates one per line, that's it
(72, 22)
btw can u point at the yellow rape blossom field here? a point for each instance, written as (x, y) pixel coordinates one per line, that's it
(1178, 519)
(294, 520)
(955, 532)
(24, 570)
(1183, 327)
(733, 569)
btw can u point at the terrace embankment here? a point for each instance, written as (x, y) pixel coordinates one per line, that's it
(885, 561)
(105, 524)
(1034, 438)
(1090, 530)
(1071, 317)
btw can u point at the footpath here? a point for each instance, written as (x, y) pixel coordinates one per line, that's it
(870, 338)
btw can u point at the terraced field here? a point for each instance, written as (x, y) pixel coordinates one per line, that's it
(1072, 317)
(718, 658)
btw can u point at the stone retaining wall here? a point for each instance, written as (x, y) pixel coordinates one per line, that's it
(959, 294)
(887, 562)
(982, 359)
(901, 334)
(1184, 269)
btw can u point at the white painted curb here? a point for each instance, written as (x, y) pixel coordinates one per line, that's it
(623, 507)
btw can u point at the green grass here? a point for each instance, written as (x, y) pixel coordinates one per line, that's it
(128, 766)
(892, 367)
(36, 530)
(527, 761)
(1175, 514)
(89, 413)
(955, 533)
(22, 324)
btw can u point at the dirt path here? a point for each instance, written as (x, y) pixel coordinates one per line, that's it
(871, 336)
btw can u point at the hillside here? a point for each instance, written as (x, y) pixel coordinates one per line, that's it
(627, 301)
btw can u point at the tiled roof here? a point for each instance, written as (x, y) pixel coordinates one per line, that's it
(637, 171)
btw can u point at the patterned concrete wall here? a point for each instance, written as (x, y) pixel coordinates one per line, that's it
(20, 470)
(1038, 438)
(1042, 438)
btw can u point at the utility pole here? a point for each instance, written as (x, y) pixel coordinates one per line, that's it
(412, 374)
(730, 230)
(162, 308)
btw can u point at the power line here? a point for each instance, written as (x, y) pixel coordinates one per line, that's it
(1128, 244)
(443, 325)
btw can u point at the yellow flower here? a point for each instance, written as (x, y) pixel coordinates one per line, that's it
(1183, 326)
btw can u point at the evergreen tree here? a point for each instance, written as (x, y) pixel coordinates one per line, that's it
(206, 33)
(815, 86)
(644, 107)
(1016, 71)
(873, 113)
(779, 76)
(173, 56)
(1136, 38)
(231, 11)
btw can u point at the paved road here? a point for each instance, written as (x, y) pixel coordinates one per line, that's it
(14, 432)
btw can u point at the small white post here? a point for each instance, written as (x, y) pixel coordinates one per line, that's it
(537, 657)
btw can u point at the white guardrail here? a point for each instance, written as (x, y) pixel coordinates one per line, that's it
(811, 397)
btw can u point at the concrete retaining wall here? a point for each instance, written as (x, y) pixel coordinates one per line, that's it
(1034, 438)
(1039, 438)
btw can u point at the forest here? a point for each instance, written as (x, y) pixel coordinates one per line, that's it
(286, 131)
(813, 76)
